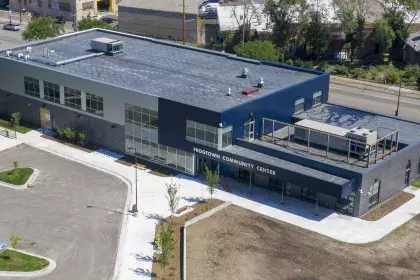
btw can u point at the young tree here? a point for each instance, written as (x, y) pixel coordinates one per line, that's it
(383, 35)
(165, 243)
(15, 164)
(42, 28)
(260, 50)
(288, 20)
(318, 33)
(352, 16)
(14, 241)
(88, 23)
(172, 196)
(212, 180)
(15, 119)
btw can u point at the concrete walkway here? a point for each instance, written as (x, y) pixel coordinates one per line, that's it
(136, 251)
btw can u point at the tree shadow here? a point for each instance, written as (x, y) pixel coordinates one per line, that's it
(6, 258)
(141, 257)
(143, 272)
(152, 216)
(193, 199)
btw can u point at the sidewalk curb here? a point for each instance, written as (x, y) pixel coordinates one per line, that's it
(52, 265)
(125, 221)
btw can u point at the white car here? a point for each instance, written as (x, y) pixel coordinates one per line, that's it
(11, 26)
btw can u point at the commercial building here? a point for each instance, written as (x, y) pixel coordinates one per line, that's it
(71, 10)
(186, 108)
(159, 18)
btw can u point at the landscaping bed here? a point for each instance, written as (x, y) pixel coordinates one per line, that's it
(387, 207)
(416, 184)
(173, 270)
(17, 261)
(85, 148)
(20, 128)
(16, 176)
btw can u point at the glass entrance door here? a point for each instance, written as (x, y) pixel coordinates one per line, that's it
(45, 118)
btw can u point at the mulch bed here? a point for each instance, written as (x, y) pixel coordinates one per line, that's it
(387, 207)
(173, 270)
(82, 148)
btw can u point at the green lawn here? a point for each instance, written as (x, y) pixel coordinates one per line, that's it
(416, 183)
(16, 176)
(16, 261)
(19, 128)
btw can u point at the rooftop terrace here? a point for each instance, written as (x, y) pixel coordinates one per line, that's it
(194, 76)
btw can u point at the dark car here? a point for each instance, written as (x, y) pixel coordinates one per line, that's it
(60, 19)
(107, 19)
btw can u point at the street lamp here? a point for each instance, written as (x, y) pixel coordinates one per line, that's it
(134, 209)
(399, 96)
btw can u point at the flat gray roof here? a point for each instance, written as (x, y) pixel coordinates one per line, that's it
(349, 118)
(283, 164)
(193, 76)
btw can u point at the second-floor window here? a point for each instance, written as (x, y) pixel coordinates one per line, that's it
(73, 98)
(317, 98)
(31, 86)
(94, 104)
(202, 134)
(51, 92)
(300, 105)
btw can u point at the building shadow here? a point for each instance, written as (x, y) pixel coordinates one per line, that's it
(298, 207)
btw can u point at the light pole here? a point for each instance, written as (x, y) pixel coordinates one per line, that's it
(134, 209)
(399, 96)
(20, 11)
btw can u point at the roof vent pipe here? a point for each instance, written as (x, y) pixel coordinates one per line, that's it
(20, 55)
(26, 57)
(29, 49)
(245, 73)
(260, 82)
(8, 53)
(228, 93)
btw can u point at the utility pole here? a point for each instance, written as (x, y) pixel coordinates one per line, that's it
(398, 102)
(243, 25)
(183, 22)
(20, 11)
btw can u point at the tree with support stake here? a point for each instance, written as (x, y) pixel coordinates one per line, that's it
(212, 181)
(172, 196)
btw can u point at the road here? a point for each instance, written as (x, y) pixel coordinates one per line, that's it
(374, 101)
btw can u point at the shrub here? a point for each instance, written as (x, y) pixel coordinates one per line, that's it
(392, 76)
(340, 70)
(60, 132)
(72, 135)
(81, 138)
(323, 66)
(260, 50)
(66, 133)
(358, 73)
(15, 164)
(15, 120)
(299, 63)
(411, 73)
(289, 61)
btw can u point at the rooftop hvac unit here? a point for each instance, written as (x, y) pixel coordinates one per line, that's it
(364, 135)
(106, 45)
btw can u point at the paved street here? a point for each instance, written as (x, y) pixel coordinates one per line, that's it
(374, 101)
(55, 214)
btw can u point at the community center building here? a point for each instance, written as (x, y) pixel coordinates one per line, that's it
(185, 108)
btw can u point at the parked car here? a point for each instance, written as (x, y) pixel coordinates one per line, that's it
(2, 246)
(60, 19)
(108, 20)
(11, 27)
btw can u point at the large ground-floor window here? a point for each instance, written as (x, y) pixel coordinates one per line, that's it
(373, 193)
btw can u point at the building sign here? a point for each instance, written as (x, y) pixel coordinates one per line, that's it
(237, 162)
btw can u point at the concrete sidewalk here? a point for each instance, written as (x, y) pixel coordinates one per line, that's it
(136, 250)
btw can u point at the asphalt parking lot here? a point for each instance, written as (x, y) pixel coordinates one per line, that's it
(72, 215)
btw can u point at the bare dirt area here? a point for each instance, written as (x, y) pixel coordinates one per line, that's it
(387, 207)
(236, 243)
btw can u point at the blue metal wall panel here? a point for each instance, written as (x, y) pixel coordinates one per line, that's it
(279, 105)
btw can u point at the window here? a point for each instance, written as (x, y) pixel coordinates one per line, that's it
(227, 137)
(73, 98)
(300, 105)
(317, 98)
(31, 86)
(407, 173)
(51, 92)
(39, 3)
(373, 193)
(202, 134)
(30, 1)
(87, 6)
(142, 117)
(64, 6)
(25, 2)
(94, 104)
(49, 4)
